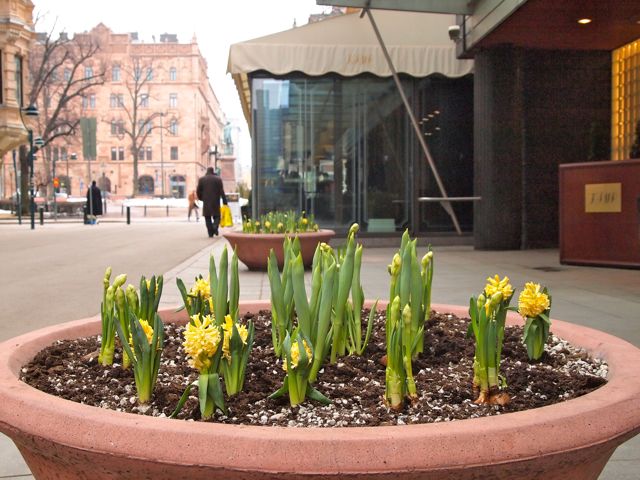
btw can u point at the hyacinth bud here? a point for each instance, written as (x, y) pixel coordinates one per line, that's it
(353, 230)
(109, 298)
(119, 280)
(107, 277)
(394, 312)
(493, 303)
(132, 297)
(406, 316)
(396, 263)
(120, 299)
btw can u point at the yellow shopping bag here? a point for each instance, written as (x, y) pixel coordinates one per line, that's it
(225, 216)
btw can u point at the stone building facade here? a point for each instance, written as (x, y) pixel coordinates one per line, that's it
(175, 108)
(16, 34)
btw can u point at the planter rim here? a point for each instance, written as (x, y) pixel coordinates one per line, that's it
(611, 412)
(322, 232)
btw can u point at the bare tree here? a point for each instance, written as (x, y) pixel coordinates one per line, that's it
(62, 72)
(138, 121)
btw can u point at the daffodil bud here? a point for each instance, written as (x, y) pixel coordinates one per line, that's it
(353, 230)
(396, 263)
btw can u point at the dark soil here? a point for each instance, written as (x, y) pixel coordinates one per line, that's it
(443, 374)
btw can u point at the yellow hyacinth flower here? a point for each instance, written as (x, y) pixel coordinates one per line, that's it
(532, 302)
(148, 282)
(201, 287)
(201, 341)
(227, 327)
(147, 329)
(495, 285)
(295, 354)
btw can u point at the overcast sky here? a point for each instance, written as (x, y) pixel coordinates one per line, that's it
(216, 24)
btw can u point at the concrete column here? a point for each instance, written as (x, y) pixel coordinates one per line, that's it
(498, 144)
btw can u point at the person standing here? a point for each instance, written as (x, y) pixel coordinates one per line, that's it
(94, 200)
(193, 205)
(210, 190)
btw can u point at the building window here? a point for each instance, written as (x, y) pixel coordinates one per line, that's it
(149, 155)
(173, 127)
(115, 73)
(88, 72)
(120, 153)
(114, 154)
(114, 130)
(149, 74)
(137, 73)
(19, 85)
(144, 100)
(89, 102)
(66, 74)
(141, 153)
(173, 74)
(173, 100)
(174, 153)
(63, 154)
(116, 100)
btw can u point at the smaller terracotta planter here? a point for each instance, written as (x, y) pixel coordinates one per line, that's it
(253, 248)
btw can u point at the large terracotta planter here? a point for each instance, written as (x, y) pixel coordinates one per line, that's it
(570, 440)
(253, 248)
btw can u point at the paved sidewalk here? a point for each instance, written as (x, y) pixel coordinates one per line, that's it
(607, 299)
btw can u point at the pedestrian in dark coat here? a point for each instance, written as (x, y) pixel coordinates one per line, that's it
(94, 200)
(210, 190)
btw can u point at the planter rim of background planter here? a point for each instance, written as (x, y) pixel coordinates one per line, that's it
(253, 248)
(610, 414)
(237, 233)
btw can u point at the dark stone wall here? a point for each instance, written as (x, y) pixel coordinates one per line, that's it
(534, 109)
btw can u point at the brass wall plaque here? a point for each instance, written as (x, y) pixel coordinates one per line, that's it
(603, 197)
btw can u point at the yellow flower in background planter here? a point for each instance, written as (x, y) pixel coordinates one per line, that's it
(532, 301)
(227, 327)
(495, 285)
(201, 341)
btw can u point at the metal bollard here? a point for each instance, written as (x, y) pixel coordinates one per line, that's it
(167, 210)
(128, 215)
(41, 215)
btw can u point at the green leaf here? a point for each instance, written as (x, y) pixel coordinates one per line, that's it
(314, 394)
(183, 399)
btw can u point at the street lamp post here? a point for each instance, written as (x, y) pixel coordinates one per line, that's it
(30, 111)
(161, 156)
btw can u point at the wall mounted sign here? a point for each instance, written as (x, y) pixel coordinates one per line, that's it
(603, 197)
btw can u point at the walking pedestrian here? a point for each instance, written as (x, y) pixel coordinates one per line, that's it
(210, 190)
(193, 206)
(94, 200)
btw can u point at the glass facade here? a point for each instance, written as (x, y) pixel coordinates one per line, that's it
(343, 149)
(626, 100)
